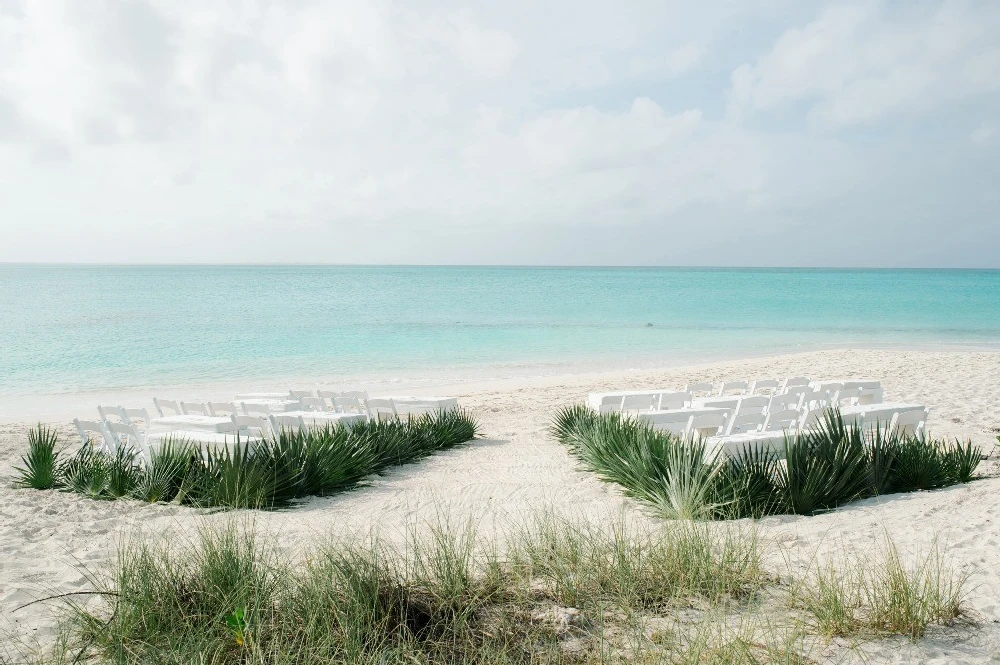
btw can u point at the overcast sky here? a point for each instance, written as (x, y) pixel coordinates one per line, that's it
(557, 132)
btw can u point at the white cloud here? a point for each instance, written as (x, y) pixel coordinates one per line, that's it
(369, 131)
(859, 63)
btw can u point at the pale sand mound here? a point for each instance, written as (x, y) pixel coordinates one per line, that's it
(48, 540)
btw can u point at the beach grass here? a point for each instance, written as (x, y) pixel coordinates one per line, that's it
(822, 468)
(560, 590)
(267, 474)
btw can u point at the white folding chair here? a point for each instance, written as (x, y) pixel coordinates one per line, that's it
(609, 404)
(222, 409)
(258, 409)
(382, 408)
(667, 401)
(135, 415)
(251, 427)
(733, 387)
(793, 382)
(195, 409)
(114, 412)
(312, 403)
(702, 387)
(704, 425)
(167, 407)
(637, 403)
(845, 397)
(910, 422)
(783, 402)
(769, 385)
(781, 420)
(103, 441)
(285, 423)
(810, 419)
(675, 423)
(351, 401)
(815, 399)
(127, 435)
(299, 394)
(753, 404)
(746, 421)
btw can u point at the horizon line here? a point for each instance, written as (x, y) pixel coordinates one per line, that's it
(197, 264)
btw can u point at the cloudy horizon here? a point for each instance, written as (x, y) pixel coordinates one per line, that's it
(769, 133)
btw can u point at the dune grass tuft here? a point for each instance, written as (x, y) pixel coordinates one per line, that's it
(825, 467)
(269, 474)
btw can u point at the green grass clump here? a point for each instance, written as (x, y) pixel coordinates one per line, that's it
(880, 595)
(445, 597)
(823, 468)
(268, 474)
(38, 469)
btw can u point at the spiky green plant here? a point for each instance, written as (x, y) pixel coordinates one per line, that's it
(747, 485)
(163, 475)
(39, 466)
(824, 467)
(961, 460)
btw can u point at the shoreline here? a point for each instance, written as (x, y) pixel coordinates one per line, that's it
(68, 404)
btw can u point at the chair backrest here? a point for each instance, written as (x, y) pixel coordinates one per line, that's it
(797, 390)
(195, 409)
(845, 397)
(704, 425)
(382, 408)
(632, 403)
(133, 414)
(753, 404)
(782, 402)
(767, 385)
(351, 401)
(610, 404)
(114, 412)
(909, 422)
(743, 422)
(676, 423)
(86, 428)
(299, 394)
(781, 420)
(733, 387)
(167, 407)
(814, 399)
(665, 401)
(251, 426)
(702, 387)
(792, 382)
(126, 435)
(312, 403)
(222, 408)
(280, 422)
(251, 409)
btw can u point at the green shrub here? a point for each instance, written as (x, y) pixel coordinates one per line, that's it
(269, 474)
(39, 466)
(824, 467)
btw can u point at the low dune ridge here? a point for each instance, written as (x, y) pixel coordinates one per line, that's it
(51, 542)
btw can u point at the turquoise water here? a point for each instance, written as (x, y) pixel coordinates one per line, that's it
(67, 328)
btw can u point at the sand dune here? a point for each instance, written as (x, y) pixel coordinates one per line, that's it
(49, 540)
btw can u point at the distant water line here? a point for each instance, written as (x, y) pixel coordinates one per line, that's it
(65, 328)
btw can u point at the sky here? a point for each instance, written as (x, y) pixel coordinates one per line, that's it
(743, 133)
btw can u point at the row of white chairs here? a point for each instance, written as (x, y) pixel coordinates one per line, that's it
(341, 403)
(763, 386)
(732, 423)
(796, 397)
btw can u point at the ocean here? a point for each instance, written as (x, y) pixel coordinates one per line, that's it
(67, 328)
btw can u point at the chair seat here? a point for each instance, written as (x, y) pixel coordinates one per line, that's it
(212, 438)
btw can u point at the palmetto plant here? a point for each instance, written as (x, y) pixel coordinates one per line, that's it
(39, 465)
(268, 474)
(823, 467)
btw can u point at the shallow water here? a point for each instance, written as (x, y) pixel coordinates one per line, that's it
(66, 328)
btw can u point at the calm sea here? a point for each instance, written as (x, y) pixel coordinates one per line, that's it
(66, 328)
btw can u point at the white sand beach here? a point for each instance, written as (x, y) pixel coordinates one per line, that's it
(51, 542)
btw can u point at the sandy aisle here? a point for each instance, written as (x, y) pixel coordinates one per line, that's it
(48, 538)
